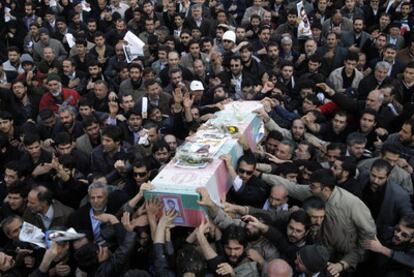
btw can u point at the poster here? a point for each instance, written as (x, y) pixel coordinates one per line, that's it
(304, 27)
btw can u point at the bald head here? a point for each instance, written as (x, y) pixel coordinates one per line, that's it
(279, 268)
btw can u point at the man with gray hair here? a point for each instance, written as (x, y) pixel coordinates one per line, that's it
(375, 80)
(374, 100)
(356, 143)
(101, 201)
(68, 123)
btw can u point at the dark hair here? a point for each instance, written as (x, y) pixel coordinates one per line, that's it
(315, 58)
(287, 168)
(247, 158)
(236, 233)
(301, 217)
(63, 138)
(189, 259)
(275, 135)
(67, 161)
(113, 132)
(313, 202)
(391, 148)
(17, 166)
(408, 219)
(30, 138)
(325, 177)
(150, 82)
(159, 145)
(20, 188)
(337, 145)
(382, 164)
(89, 120)
(81, 41)
(6, 115)
(351, 56)
(348, 164)
(140, 163)
(312, 166)
(371, 112)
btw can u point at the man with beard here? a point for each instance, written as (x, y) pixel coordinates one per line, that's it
(260, 45)
(335, 131)
(68, 123)
(297, 132)
(134, 84)
(288, 243)
(387, 201)
(95, 74)
(15, 202)
(405, 138)
(344, 170)
(355, 39)
(235, 259)
(391, 153)
(71, 77)
(246, 189)
(56, 95)
(250, 65)
(395, 254)
(43, 211)
(92, 137)
(270, 59)
(65, 145)
(389, 55)
(156, 97)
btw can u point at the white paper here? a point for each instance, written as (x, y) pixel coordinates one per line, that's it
(304, 28)
(85, 6)
(52, 3)
(70, 39)
(32, 234)
(134, 47)
(7, 16)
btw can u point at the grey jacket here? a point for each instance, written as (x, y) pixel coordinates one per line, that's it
(56, 45)
(398, 175)
(336, 81)
(347, 223)
(126, 87)
(84, 144)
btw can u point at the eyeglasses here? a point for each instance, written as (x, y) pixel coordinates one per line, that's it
(403, 234)
(140, 174)
(243, 171)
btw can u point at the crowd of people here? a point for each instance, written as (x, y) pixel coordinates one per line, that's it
(84, 129)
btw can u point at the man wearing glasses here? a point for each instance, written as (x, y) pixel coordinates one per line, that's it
(246, 189)
(395, 256)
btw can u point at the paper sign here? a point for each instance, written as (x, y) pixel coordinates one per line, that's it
(85, 6)
(304, 28)
(7, 16)
(134, 47)
(70, 39)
